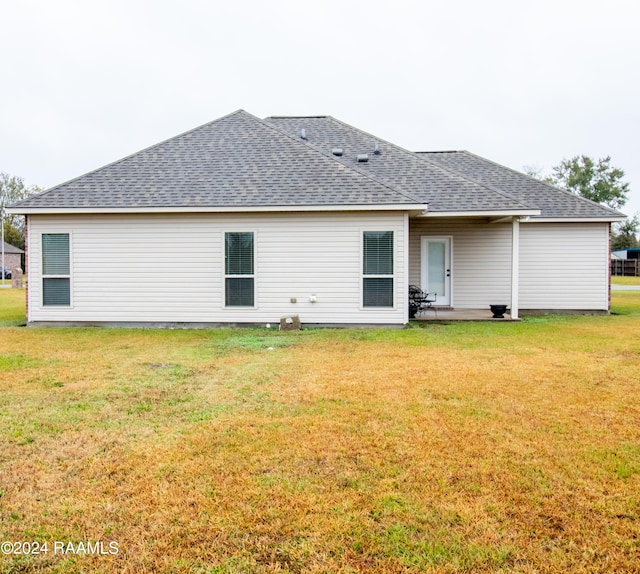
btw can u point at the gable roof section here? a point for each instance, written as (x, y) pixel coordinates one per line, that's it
(237, 162)
(11, 249)
(242, 163)
(444, 189)
(554, 203)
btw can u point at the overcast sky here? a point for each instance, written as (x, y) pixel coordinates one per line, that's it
(85, 83)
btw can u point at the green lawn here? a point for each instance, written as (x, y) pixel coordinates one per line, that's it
(625, 280)
(469, 447)
(12, 307)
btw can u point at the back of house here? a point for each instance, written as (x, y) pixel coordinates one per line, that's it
(243, 221)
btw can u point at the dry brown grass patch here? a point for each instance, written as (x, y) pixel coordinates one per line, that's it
(446, 449)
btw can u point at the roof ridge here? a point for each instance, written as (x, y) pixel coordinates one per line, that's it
(554, 187)
(128, 156)
(320, 150)
(434, 165)
(295, 117)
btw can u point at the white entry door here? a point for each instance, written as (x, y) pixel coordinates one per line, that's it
(436, 268)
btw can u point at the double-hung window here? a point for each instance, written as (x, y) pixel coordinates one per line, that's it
(239, 269)
(56, 270)
(377, 281)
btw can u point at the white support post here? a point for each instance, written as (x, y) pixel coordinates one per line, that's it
(405, 240)
(515, 266)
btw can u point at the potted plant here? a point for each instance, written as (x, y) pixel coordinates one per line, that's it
(498, 311)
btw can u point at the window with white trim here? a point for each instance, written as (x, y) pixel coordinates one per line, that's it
(239, 269)
(56, 270)
(377, 263)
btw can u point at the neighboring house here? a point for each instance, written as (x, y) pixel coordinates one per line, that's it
(630, 253)
(625, 262)
(12, 257)
(307, 216)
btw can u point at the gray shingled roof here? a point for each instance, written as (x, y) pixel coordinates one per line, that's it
(8, 248)
(235, 161)
(552, 201)
(443, 189)
(240, 161)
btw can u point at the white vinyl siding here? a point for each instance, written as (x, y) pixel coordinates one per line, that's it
(124, 267)
(480, 259)
(564, 266)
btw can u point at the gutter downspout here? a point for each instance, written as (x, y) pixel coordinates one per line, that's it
(515, 267)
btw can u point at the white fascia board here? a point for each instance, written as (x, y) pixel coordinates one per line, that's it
(413, 208)
(573, 219)
(504, 213)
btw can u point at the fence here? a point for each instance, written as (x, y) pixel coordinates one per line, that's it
(628, 267)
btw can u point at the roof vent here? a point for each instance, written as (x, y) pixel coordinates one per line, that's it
(362, 157)
(376, 149)
(336, 151)
(303, 134)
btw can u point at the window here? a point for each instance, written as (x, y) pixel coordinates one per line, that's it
(377, 283)
(238, 270)
(56, 270)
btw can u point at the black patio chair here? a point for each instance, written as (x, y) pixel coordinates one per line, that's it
(420, 301)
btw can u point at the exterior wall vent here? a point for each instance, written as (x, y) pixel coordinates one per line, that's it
(363, 157)
(337, 151)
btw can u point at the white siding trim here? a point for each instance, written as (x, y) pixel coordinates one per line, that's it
(40, 289)
(575, 219)
(396, 262)
(515, 267)
(417, 207)
(424, 272)
(223, 271)
(28, 258)
(404, 301)
(486, 213)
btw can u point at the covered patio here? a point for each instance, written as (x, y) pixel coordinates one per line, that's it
(434, 314)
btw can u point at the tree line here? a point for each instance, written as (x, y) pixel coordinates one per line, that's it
(12, 189)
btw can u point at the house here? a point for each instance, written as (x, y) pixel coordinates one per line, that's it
(12, 256)
(624, 262)
(630, 253)
(306, 216)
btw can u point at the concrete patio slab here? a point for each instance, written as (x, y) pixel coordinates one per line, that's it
(435, 314)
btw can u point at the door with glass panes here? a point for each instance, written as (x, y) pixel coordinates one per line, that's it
(435, 267)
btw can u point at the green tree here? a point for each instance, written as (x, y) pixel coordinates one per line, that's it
(625, 235)
(594, 180)
(13, 189)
